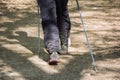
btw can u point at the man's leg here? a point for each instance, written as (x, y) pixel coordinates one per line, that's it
(64, 24)
(51, 33)
(49, 23)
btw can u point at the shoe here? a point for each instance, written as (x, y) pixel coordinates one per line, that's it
(64, 49)
(54, 58)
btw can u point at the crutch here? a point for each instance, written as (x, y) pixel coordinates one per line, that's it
(89, 46)
(39, 31)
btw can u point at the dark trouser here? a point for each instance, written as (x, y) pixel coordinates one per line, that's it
(55, 22)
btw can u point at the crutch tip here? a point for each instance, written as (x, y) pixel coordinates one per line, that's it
(95, 68)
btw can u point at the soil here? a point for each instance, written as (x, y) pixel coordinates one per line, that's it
(19, 57)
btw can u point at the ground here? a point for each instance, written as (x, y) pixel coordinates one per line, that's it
(19, 58)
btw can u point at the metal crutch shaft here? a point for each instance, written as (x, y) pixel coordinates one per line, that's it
(89, 46)
(38, 30)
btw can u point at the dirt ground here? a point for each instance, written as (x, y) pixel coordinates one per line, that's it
(19, 58)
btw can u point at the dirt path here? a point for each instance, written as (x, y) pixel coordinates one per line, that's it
(19, 58)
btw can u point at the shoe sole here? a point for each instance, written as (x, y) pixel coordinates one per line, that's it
(53, 62)
(63, 52)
